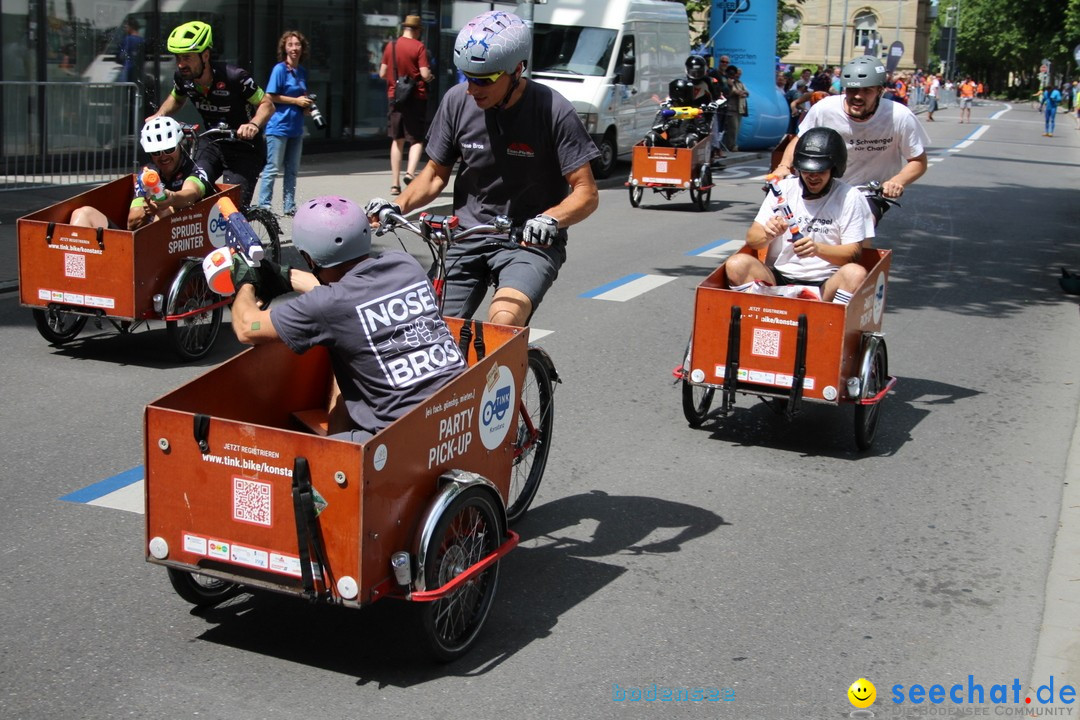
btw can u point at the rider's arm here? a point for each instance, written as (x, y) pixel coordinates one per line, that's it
(171, 105)
(425, 187)
(785, 162)
(582, 200)
(190, 193)
(833, 254)
(250, 322)
(913, 170)
(253, 127)
(759, 236)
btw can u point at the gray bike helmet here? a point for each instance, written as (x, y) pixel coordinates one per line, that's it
(820, 149)
(492, 42)
(865, 71)
(331, 230)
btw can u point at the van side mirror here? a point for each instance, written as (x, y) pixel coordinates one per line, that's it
(625, 74)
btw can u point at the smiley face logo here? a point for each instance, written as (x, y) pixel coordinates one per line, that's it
(862, 693)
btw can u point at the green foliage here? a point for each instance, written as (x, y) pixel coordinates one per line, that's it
(999, 37)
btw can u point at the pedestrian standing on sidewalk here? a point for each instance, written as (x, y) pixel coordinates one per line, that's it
(406, 57)
(933, 85)
(288, 91)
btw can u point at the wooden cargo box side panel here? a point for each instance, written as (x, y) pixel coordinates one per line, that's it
(661, 165)
(867, 307)
(238, 495)
(467, 425)
(72, 267)
(768, 338)
(162, 246)
(231, 509)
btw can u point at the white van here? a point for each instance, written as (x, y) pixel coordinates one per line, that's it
(613, 60)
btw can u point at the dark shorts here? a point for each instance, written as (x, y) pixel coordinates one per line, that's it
(408, 123)
(237, 163)
(473, 266)
(782, 279)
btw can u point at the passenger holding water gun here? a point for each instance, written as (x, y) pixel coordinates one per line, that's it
(170, 181)
(813, 225)
(681, 122)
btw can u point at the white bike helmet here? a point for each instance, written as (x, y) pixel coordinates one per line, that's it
(160, 134)
(492, 42)
(331, 230)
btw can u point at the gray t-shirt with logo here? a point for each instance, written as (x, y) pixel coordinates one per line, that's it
(388, 344)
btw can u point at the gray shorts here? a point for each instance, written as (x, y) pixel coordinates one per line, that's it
(965, 102)
(473, 266)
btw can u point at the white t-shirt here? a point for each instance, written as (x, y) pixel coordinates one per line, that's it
(877, 148)
(838, 218)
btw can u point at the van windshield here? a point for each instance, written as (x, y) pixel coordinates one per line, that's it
(573, 50)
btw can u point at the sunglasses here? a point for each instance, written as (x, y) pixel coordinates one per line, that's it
(483, 80)
(163, 152)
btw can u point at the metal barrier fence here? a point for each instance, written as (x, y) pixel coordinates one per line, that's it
(65, 133)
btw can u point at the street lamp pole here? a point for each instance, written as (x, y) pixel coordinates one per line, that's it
(843, 34)
(828, 32)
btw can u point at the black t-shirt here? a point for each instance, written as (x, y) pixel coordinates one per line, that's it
(513, 161)
(231, 97)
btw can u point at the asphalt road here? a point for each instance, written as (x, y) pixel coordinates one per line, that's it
(769, 561)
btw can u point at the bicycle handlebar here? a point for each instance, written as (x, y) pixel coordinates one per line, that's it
(440, 230)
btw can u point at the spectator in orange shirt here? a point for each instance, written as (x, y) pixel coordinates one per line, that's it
(967, 97)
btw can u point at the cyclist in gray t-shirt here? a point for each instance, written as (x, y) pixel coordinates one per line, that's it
(377, 316)
(523, 153)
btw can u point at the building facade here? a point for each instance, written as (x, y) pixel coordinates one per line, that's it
(832, 32)
(76, 41)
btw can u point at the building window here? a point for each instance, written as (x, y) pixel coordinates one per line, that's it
(791, 24)
(866, 29)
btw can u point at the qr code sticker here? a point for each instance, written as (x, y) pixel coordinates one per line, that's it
(251, 501)
(74, 265)
(766, 343)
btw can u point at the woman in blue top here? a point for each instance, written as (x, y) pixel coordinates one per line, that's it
(285, 131)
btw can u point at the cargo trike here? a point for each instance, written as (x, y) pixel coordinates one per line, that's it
(788, 350)
(256, 496)
(70, 274)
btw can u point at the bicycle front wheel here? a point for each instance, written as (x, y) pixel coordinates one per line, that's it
(533, 441)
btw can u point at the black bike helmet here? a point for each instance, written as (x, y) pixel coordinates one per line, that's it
(681, 92)
(695, 67)
(820, 149)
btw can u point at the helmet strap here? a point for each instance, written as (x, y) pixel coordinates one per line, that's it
(514, 82)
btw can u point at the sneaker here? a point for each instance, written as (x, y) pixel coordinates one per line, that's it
(290, 213)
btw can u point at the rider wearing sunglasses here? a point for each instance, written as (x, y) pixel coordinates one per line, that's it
(184, 181)
(523, 153)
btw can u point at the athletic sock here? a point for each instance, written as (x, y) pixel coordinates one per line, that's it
(842, 297)
(745, 286)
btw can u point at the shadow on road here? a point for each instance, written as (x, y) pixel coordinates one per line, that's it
(552, 571)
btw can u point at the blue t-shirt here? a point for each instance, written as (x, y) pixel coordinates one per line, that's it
(389, 346)
(287, 120)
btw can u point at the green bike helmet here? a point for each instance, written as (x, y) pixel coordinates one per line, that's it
(191, 37)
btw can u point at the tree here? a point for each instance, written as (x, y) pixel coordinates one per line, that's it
(999, 38)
